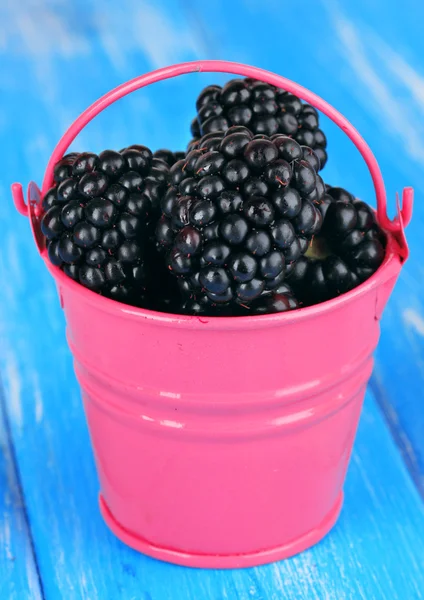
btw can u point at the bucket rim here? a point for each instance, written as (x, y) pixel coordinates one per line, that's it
(389, 268)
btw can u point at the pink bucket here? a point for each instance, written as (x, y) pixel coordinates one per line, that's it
(223, 442)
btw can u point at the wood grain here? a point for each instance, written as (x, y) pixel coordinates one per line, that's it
(18, 571)
(60, 57)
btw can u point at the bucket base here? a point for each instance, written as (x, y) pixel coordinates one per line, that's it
(222, 561)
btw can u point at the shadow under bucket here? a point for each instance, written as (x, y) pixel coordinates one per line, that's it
(223, 442)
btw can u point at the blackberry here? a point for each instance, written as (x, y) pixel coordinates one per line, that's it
(100, 219)
(238, 214)
(316, 280)
(348, 250)
(281, 299)
(167, 156)
(261, 107)
(204, 306)
(351, 228)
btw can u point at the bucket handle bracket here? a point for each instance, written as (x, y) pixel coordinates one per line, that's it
(31, 209)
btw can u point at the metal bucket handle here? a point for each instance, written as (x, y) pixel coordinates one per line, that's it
(395, 226)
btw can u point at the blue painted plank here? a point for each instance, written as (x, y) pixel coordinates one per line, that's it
(365, 58)
(61, 57)
(18, 571)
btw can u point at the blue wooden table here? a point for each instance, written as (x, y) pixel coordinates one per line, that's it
(56, 58)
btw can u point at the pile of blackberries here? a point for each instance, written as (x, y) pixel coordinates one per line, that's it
(240, 224)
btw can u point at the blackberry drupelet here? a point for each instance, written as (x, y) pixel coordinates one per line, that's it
(261, 107)
(100, 219)
(238, 214)
(348, 250)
